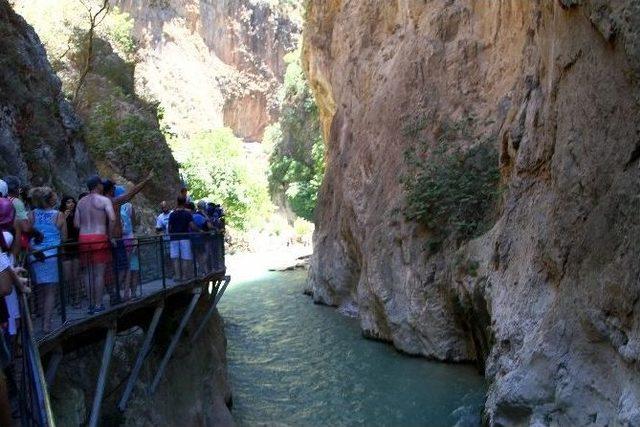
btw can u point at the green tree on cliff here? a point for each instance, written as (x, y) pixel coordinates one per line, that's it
(296, 164)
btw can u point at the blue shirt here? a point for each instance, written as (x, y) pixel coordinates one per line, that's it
(179, 223)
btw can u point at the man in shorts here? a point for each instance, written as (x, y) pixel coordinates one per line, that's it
(94, 214)
(180, 223)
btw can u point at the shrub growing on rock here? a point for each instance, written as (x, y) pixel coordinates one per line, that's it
(451, 192)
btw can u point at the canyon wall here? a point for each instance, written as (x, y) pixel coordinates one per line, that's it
(194, 391)
(213, 63)
(40, 136)
(546, 300)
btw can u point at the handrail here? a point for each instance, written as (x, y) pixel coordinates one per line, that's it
(35, 405)
(144, 238)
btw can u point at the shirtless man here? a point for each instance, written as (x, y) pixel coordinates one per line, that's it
(94, 214)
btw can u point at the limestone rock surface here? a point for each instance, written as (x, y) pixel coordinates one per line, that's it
(194, 390)
(40, 135)
(550, 310)
(213, 63)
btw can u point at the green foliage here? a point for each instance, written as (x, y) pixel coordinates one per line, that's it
(296, 164)
(452, 192)
(216, 168)
(63, 27)
(126, 139)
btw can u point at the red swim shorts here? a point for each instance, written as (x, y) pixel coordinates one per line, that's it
(94, 248)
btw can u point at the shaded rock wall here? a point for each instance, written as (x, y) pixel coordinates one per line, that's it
(551, 304)
(213, 63)
(194, 391)
(40, 135)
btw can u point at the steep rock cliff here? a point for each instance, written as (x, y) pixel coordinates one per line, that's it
(213, 63)
(551, 303)
(194, 391)
(40, 135)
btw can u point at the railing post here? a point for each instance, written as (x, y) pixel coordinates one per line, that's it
(222, 263)
(139, 284)
(194, 255)
(62, 287)
(116, 273)
(163, 269)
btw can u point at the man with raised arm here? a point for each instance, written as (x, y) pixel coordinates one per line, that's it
(95, 218)
(109, 191)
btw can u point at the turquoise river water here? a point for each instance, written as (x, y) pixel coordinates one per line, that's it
(298, 364)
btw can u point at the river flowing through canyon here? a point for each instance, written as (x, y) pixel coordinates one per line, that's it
(295, 363)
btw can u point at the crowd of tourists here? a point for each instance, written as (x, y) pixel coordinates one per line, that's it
(87, 243)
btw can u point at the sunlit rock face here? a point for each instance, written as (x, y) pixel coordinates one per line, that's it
(213, 63)
(551, 311)
(40, 138)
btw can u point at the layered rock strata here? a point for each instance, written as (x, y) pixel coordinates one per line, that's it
(550, 307)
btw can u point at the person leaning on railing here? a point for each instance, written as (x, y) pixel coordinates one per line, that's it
(181, 223)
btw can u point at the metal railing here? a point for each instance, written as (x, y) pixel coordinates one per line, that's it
(35, 408)
(74, 281)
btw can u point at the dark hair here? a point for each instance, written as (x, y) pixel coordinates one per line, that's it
(83, 194)
(63, 203)
(93, 182)
(13, 183)
(108, 186)
(191, 206)
(181, 200)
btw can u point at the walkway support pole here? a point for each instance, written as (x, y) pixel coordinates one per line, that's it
(142, 354)
(102, 377)
(174, 340)
(53, 365)
(207, 316)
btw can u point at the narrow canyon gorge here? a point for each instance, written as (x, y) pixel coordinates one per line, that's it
(546, 300)
(541, 292)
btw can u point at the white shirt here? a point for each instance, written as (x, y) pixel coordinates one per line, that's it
(162, 222)
(6, 260)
